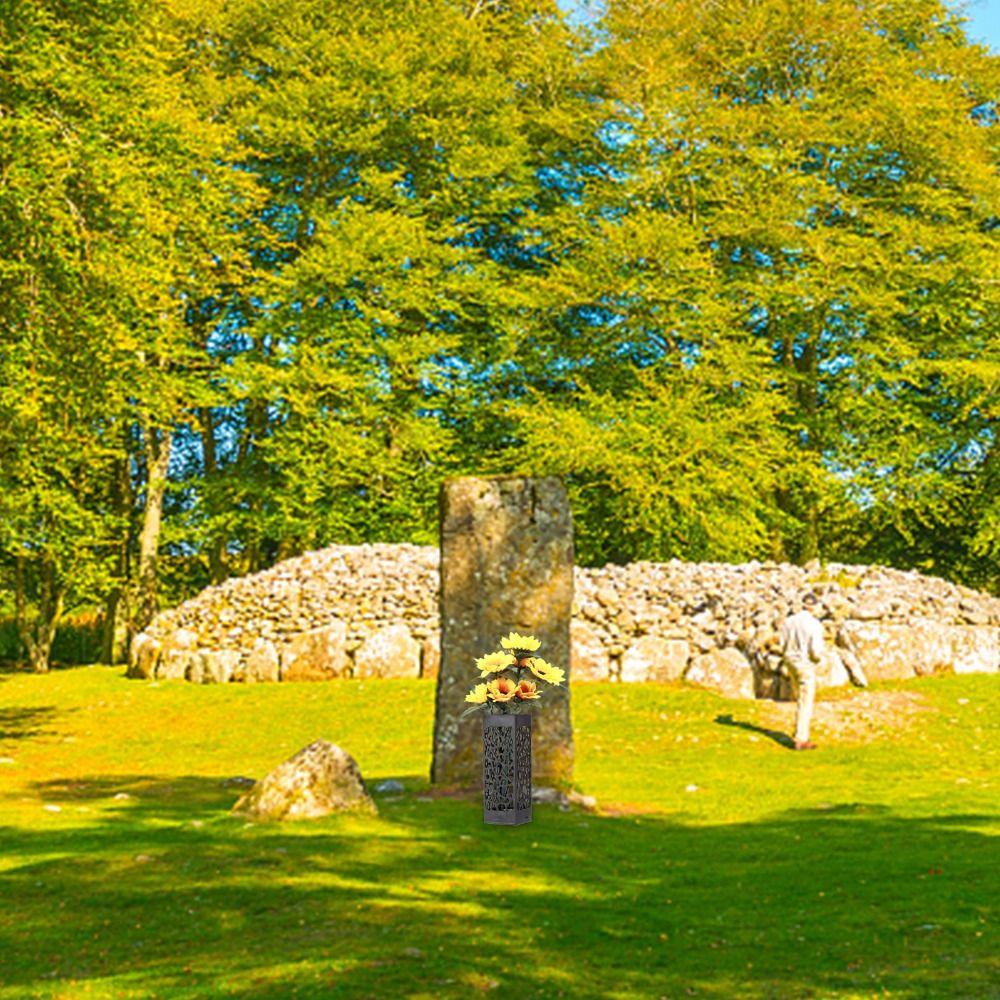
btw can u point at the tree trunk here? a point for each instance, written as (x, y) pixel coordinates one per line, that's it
(114, 631)
(146, 604)
(114, 638)
(784, 494)
(256, 547)
(808, 396)
(217, 555)
(37, 633)
(45, 630)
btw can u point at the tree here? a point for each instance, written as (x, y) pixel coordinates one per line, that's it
(837, 161)
(117, 214)
(397, 152)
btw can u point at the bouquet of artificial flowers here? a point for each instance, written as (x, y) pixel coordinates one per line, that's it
(514, 671)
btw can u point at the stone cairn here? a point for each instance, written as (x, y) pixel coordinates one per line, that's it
(372, 611)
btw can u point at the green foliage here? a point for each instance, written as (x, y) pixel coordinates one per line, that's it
(685, 467)
(397, 152)
(831, 158)
(270, 272)
(114, 217)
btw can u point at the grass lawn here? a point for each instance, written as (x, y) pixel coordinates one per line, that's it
(723, 865)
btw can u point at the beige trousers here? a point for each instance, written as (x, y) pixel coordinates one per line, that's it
(803, 675)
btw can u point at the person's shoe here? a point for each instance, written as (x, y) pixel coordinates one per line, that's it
(804, 745)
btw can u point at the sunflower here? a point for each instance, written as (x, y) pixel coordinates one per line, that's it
(477, 696)
(502, 689)
(492, 663)
(527, 691)
(520, 645)
(544, 671)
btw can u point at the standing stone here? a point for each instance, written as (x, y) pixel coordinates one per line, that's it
(178, 653)
(506, 564)
(218, 665)
(261, 665)
(830, 671)
(196, 666)
(430, 655)
(726, 671)
(653, 659)
(959, 649)
(144, 654)
(316, 655)
(588, 656)
(770, 677)
(975, 650)
(885, 651)
(390, 652)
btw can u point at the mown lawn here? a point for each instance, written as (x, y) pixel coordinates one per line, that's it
(724, 865)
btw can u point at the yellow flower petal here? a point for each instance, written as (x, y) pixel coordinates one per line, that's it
(545, 671)
(502, 689)
(528, 690)
(516, 641)
(477, 696)
(491, 663)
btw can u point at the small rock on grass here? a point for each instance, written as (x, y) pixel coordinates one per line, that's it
(390, 787)
(553, 796)
(544, 794)
(239, 781)
(320, 779)
(587, 802)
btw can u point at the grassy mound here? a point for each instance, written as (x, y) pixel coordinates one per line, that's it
(721, 866)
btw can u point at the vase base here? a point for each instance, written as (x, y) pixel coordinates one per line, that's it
(507, 817)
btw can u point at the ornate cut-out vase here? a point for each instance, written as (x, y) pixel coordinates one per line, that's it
(507, 769)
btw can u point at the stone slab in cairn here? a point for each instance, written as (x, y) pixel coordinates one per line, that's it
(506, 563)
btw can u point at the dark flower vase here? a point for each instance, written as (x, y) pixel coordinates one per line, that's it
(507, 769)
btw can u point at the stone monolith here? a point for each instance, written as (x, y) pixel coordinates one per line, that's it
(506, 564)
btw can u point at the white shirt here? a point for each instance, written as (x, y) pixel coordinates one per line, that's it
(801, 638)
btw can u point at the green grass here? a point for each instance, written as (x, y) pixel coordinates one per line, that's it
(869, 868)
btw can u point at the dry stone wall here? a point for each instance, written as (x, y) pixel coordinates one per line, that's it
(372, 611)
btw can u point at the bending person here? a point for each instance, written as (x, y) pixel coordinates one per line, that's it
(801, 643)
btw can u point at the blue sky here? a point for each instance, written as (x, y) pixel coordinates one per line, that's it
(983, 26)
(984, 22)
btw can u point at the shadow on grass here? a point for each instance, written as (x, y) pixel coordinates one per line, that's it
(783, 739)
(9, 668)
(20, 723)
(170, 896)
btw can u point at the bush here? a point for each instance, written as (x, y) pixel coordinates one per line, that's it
(77, 639)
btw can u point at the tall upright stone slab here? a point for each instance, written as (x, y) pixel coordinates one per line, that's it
(506, 564)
